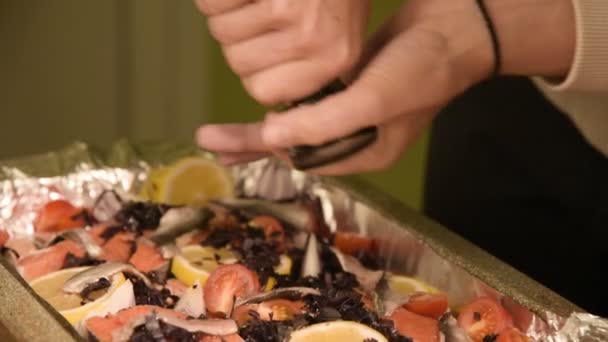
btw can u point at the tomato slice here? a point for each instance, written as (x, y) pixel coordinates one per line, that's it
(273, 230)
(512, 335)
(414, 326)
(275, 310)
(59, 215)
(225, 284)
(428, 305)
(482, 317)
(351, 243)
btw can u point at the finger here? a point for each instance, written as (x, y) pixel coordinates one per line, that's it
(229, 158)
(288, 82)
(263, 52)
(410, 75)
(387, 32)
(393, 138)
(215, 7)
(231, 138)
(245, 22)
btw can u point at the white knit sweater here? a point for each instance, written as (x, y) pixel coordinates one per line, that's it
(583, 94)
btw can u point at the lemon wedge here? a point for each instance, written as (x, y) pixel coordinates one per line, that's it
(407, 285)
(197, 262)
(189, 181)
(337, 331)
(50, 288)
(284, 266)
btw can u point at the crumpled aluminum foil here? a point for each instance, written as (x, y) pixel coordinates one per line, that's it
(21, 195)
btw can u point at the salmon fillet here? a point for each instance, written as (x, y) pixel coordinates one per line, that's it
(102, 327)
(22, 245)
(48, 260)
(414, 326)
(59, 215)
(118, 247)
(146, 258)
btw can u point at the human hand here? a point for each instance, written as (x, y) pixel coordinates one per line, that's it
(429, 53)
(284, 50)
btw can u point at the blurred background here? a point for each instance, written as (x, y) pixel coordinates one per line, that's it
(145, 70)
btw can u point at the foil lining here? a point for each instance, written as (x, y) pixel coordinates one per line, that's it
(405, 247)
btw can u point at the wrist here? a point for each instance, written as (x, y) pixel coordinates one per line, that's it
(469, 44)
(536, 38)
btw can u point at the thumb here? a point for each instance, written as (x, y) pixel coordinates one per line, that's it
(410, 74)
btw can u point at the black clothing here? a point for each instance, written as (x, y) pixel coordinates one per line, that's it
(510, 173)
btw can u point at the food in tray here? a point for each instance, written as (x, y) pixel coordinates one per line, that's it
(232, 270)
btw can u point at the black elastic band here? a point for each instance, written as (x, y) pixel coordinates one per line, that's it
(493, 35)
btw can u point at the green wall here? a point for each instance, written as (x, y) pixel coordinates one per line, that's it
(140, 69)
(230, 103)
(98, 71)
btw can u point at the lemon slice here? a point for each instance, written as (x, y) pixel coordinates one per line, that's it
(150, 190)
(408, 285)
(197, 262)
(337, 331)
(189, 181)
(49, 287)
(284, 266)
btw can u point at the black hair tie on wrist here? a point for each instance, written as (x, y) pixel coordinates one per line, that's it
(493, 36)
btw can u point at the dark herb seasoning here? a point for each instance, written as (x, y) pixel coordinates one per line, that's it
(222, 237)
(161, 275)
(72, 260)
(339, 300)
(490, 338)
(102, 283)
(86, 216)
(260, 256)
(293, 278)
(110, 232)
(139, 216)
(258, 253)
(331, 264)
(289, 281)
(369, 260)
(257, 330)
(149, 296)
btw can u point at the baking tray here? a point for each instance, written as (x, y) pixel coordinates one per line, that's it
(410, 243)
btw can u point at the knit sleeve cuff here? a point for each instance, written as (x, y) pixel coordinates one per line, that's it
(589, 71)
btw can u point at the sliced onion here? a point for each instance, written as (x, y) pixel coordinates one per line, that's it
(192, 302)
(291, 293)
(122, 298)
(368, 279)
(311, 266)
(215, 327)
